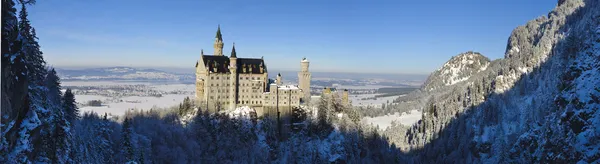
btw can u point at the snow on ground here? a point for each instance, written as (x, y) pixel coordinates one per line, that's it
(101, 83)
(174, 87)
(383, 122)
(243, 112)
(82, 99)
(356, 100)
(338, 86)
(133, 102)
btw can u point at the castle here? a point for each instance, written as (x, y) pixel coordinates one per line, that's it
(225, 83)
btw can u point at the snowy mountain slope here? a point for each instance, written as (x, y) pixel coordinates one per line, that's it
(459, 68)
(537, 105)
(120, 73)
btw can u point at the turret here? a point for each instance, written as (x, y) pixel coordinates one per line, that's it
(219, 43)
(279, 82)
(304, 65)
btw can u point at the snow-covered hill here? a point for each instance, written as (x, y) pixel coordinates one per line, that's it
(459, 68)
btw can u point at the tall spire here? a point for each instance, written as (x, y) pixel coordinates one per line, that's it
(202, 52)
(233, 54)
(219, 43)
(219, 36)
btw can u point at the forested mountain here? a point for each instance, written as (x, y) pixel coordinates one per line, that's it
(540, 104)
(457, 69)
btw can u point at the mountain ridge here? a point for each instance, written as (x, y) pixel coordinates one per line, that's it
(537, 105)
(120, 73)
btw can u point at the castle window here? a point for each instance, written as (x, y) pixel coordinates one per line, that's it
(247, 78)
(217, 77)
(217, 84)
(212, 78)
(252, 78)
(211, 85)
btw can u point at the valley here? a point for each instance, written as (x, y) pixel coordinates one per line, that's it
(117, 93)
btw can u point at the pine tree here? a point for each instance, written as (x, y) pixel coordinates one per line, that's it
(25, 93)
(63, 139)
(105, 145)
(72, 113)
(31, 49)
(53, 85)
(142, 159)
(323, 116)
(127, 145)
(56, 127)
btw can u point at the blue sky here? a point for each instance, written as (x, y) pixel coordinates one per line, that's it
(339, 36)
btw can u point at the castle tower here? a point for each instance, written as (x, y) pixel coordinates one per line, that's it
(233, 80)
(218, 43)
(304, 79)
(345, 97)
(279, 82)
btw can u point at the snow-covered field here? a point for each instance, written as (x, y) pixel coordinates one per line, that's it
(116, 105)
(174, 87)
(383, 122)
(100, 83)
(356, 100)
(360, 86)
(134, 102)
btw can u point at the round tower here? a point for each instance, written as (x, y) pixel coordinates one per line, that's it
(233, 79)
(345, 97)
(200, 75)
(304, 79)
